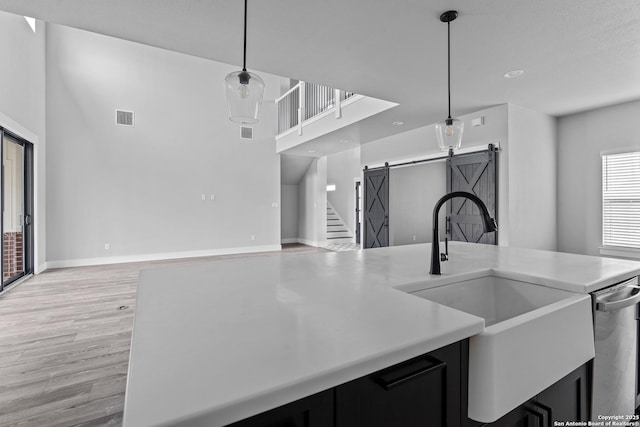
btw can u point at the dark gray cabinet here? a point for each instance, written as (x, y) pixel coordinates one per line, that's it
(430, 390)
(424, 391)
(567, 400)
(570, 398)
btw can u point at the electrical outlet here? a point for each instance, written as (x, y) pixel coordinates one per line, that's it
(414, 238)
(203, 197)
(274, 204)
(212, 197)
(253, 237)
(107, 246)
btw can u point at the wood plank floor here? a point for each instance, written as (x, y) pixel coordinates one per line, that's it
(64, 342)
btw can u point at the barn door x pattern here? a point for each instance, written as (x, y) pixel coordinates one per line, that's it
(473, 173)
(376, 214)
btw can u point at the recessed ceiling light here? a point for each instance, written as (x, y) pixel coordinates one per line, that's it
(513, 74)
(344, 140)
(398, 123)
(312, 151)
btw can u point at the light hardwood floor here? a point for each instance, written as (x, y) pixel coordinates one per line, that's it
(64, 342)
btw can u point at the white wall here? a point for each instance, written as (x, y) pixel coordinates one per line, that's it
(421, 142)
(22, 72)
(22, 105)
(413, 192)
(342, 170)
(532, 179)
(526, 168)
(139, 189)
(289, 213)
(582, 137)
(312, 204)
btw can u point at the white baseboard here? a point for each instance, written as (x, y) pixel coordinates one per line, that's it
(305, 242)
(41, 268)
(160, 256)
(309, 242)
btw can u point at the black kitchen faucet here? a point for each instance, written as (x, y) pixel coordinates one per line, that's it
(488, 223)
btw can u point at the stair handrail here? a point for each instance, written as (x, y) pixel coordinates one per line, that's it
(305, 101)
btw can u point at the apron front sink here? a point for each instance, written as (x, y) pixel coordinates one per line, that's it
(533, 337)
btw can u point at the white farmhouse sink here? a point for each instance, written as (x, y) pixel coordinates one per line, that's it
(533, 337)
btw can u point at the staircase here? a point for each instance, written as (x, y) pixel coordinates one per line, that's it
(337, 231)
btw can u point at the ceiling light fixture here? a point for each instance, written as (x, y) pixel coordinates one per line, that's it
(244, 90)
(449, 131)
(398, 123)
(513, 74)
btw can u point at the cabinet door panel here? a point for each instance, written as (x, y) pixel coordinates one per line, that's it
(569, 399)
(424, 391)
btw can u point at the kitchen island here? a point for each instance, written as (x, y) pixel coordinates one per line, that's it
(220, 342)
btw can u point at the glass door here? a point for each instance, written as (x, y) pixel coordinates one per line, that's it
(16, 208)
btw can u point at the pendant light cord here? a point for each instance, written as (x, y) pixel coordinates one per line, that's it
(448, 63)
(244, 56)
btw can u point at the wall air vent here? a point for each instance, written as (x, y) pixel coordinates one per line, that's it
(246, 132)
(124, 118)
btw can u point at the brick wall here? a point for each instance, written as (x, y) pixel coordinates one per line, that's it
(12, 255)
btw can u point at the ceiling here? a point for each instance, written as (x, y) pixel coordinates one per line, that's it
(577, 54)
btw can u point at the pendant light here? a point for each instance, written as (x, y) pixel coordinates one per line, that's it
(449, 131)
(244, 90)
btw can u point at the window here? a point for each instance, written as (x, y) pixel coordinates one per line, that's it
(621, 200)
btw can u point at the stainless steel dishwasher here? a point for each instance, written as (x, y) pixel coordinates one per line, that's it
(615, 373)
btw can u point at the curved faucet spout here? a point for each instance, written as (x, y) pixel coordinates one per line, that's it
(489, 224)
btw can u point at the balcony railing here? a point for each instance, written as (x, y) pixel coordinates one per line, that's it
(305, 101)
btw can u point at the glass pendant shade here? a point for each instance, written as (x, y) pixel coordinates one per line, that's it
(449, 131)
(449, 134)
(244, 92)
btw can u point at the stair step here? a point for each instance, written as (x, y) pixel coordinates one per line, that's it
(339, 234)
(337, 231)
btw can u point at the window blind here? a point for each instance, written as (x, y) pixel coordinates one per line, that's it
(621, 200)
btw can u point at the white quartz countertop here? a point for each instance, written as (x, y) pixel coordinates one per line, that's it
(218, 342)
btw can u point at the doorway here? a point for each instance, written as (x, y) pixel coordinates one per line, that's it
(17, 207)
